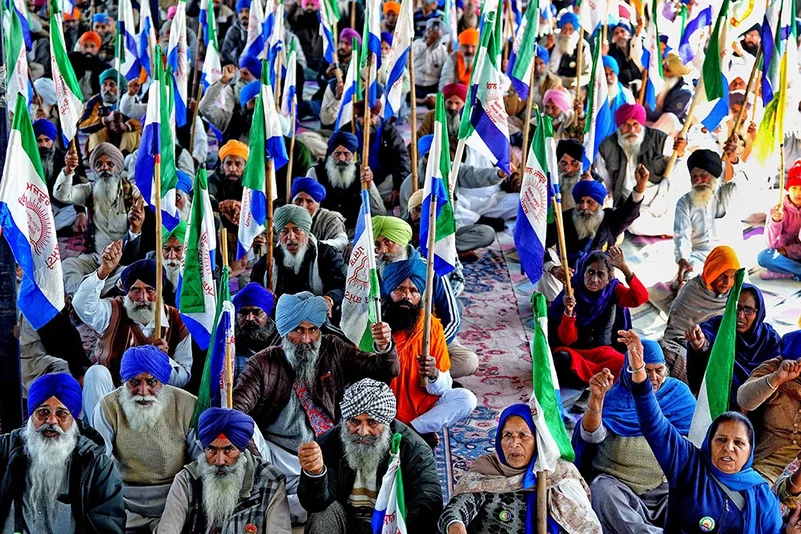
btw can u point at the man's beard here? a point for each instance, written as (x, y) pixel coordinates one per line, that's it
(567, 43)
(303, 357)
(364, 453)
(750, 48)
(233, 177)
(454, 121)
(294, 261)
(221, 487)
(468, 59)
(386, 258)
(47, 463)
(401, 316)
(670, 83)
(701, 194)
(106, 190)
(612, 89)
(173, 270)
(587, 222)
(622, 44)
(566, 182)
(251, 336)
(143, 417)
(47, 155)
(341, 174)
(109, 98)
(139, 312)
(631, 143)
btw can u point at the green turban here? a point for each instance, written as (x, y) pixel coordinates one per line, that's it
(393, 228)
(291, 213)
(179, 233)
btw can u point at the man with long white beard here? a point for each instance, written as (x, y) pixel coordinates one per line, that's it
(102, 120)
(129, 321)
(673, 100)
(343, 470)
(564, 55)
(53, 478)
(146, 426)
(696, 231)
(228, 489)
(254, 330)
(293, 391)
(618, 94)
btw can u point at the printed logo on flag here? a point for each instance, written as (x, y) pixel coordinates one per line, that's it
(37, 206)
(495, 109)
(534, 198)
(360, 279)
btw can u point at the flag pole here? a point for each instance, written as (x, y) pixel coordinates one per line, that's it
(509, 22)
(428, 293)
(556, 200)
(542, 503)
(456, 165)
(413, 101)
(579, 68)
(293, 111)
(229, 360)
(195, 113)
(527, 125)
(196, 81)
(728, 173)
(699, 90)
(268, 178)
(159, 298)
(641, 96)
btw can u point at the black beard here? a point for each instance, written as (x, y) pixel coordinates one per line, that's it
(401, 315)
(749, 47)
(254, 338)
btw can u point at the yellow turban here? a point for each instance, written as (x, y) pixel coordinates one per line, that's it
(234, 148)
(392, 228)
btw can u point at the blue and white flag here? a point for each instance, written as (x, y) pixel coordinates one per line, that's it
(21, 9)
(524, 50)
(289, 94)
(329, 43)
(389, 515)
(599, 124)
(254, 46)
(650, 59)
(18, 86)
(371, 48)
(591, 15)
(212, 64)
(691, 38)
(146, 38)
(349, 92)
(127, 54)
(275, 42)
(178, 59)
(396, 63)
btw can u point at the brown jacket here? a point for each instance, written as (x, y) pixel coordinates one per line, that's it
(264, 387)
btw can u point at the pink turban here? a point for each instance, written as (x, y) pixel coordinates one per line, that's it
(561, 99)
(630, 111)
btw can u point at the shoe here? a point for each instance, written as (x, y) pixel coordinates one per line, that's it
(496, 223)
(431, 438)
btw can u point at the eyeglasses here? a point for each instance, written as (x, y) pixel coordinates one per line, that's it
(43, 414)
(748, 311)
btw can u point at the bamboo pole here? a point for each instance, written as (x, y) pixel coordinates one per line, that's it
(542, 503)
(560, 230)
(367, 118)
(413, 101)
(729, 172)
(428, 294)
(699, 90)
(268, 178)
(641, 96)
(579, 67)
(278, 80)
(229, 349)
(159, 257)
(527, 125)
(510, 24)
(195, 83)
(781, 174)
(292, 117)
(195, 113)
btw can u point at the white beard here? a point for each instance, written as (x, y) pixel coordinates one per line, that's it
(48, 461)
(143, 418)
(340, 179)
(221, 492)
(362, 457)
(173, 270)
(670, 83)
(631, 147)
(587, 227)
(295, 261)
(186, 210)
(107, 193)
(613, 90)
(303, 361)
(142, 314)
(566, 183)
(383, 260)
(702, 195)
(567, 45)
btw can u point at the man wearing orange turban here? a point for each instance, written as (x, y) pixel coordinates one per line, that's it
(391, 11)
(87, 65)
(460, 64)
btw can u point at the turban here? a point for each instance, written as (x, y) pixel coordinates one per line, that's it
(100, 18)
(793, 175)
(348, 35)
(233, 425)
(310, 186)
(469, 37)
(433, 24)
(254, 295)
(572, 148)
(252, 64)
(736, 98)
(294, 309)
(112, 74)
(674, 63)
(706, 160)
(184, 181)
(144, 270)
(75, 15)
(46, 89)
(416, 200)
(92, 37)
(110, 151)
(179, 233)
(568, 18)
(358, 105)
(589, 188)
(386, 37)
(652, 352)
(393, 228)
(171, 11)
(391, 6)
(145, 359)
(234, 148)
(249, 92)
(611, 63)
(315, 3)
(791, 347)
(561, 99)
(543, 54)
(424, 144)
(455, 89)
(371, 397)
(630, 111)
(720, 260)
(242, 4)
(624, 24)
(59, 385)
(342, 138)
(396, 272)
(291, 213)
(46, 128)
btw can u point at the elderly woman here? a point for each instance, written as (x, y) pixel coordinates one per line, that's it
(757, 342)
(714, 488)
(775, 389)
(498, 493)
(597, 309)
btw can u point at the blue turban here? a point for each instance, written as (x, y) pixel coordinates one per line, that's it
(100, 18)
(424, 145)
(144, 270)
(113, 74)
(184, 181)
(396, 272)
(791, 345)
(386, 37)
(242, 4)
(569, 18)
(59, 385)
(294, 309)
(652, 352)
(589, 188)
(46, 128)
(543, 54)
(249, 92)
(342, 138)
(611, 63)
(626, 25)
(252, 64)
(310, 186)
(254, 295)
(145, 359)
(235, 426)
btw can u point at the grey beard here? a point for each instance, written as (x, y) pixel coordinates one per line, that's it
(566, 182)
(631, 148)
(587, 227)
(454, 122)
(295, 261)
(221, 492)
(567, 45)
(385, 259)
(108, 98)
(143, 418)
(48, 462)
(173, 270)
(106, 191)
(701, 195)
(47, 156)
(340, 179)
(139, 313)
(303, 358)
(364, 457)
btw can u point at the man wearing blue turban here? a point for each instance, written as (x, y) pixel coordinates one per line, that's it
(620, 49)
(254, 331)
(618, 94)
(47, 455)
(564, 56)
(64, 215)
(227, 479)
(327, 226)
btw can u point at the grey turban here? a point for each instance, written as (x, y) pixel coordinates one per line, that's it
(371, 397)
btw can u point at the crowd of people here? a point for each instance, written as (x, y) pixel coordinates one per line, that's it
(114, 440)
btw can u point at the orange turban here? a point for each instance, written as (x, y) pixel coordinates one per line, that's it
(75, 15)
(469, 37)
(391, 6)
(234, 148)
(720, 260)
(93, 37)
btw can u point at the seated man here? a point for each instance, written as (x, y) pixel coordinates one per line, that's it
(459, 66)
(254, 330)
(293, 391)
(228, 489)
(426, 399)
(558, 104)
(673, 101)
(103, 122)
(430, 55)
(618, 94)
(332, 86)
(564, 56)
(570, 158)
(225, 189)
(87, 65)
(129, 321)
(342, 472)
(327, 226)
(146, 426)
(40, 462)
(455, 95)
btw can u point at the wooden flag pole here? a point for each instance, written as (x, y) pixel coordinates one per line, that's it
(292, 112)
(278, 80)
(196, 81)
(641, 96)
(510, 23)
(699, 90)
(367, 117)
(560, 231)
(159, 258)
(527, 125)
(229, 356)
(413, 101)
(781, 174)
(729, 172)
(268, 178)
(195, 113)
(542, 502)
(428, 293)
(579, 67)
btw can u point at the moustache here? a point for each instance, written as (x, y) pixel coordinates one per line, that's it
(47, 427)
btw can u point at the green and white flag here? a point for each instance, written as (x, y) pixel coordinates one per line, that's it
(16, 62)
(69, 99)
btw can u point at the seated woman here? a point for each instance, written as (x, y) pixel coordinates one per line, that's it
(699, 299)
(498, 493)
(714, 488)
(598, 310)
(757, 342)
(775, 389)
(782, 258)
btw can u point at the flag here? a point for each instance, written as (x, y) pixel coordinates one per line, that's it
(275, 41)
(127, 53)
(254, 46)
(396, 63)
(521, 59)
(361, 286)
(17, 83)
(27, 222)
(714, 86)
(329, 43)
(157, 145)
(591, 15)
(451, 20)
(713, 399)
(436, 187)
(546, 401)
(196, 295)
(212, 63)
(350, 91)
(771, 39)
(599, 123)
(289, 94)
(535, 207)
(178, 60)
(146, 39)
(371, 47)
(21, 9)
(650, 58)
(389, 515)
(69, 99)
(490, 130)
(690, 37)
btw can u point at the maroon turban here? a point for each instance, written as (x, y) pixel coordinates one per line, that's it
(630, 111)
(455, 89)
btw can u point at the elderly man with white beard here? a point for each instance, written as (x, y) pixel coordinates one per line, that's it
(145, 424)
(455, 95)
(565, 54)
(54, 478)
(343, 469)
(228, 489)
